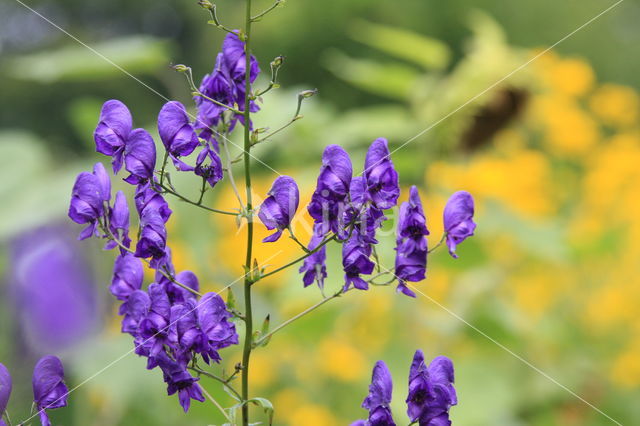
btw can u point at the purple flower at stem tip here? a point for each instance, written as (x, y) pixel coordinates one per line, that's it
(314, 267)
(139, 157)
(177, 133)
(458, 219)
(379, 398)
(279, 208)
(89, 197)
(382, 178)
(112, 132)
(49, 389)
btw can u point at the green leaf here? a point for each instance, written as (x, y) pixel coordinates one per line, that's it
(231, 299)
(266, 405)
(425, 51)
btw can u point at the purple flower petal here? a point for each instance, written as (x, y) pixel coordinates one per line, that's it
(5, 388)
(458, 219)
(113, 130)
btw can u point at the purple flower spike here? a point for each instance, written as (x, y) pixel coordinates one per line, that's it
(379, 398)
(140, 157)
(177, 133)
(314, 266)
(5, 390)
(431, 391)
(355, 261)
(153, 237)
(458, 219)
(134, 310)
(146, 198)
(113, 131)
(235, 59)
(328, 201)
(91, 192)
(49, 390)
(213, 318)
(128, 275)
(411, 248)
(381, 176)
(278, 209)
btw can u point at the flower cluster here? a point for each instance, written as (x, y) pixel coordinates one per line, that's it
(49, 389)
(352, 208)
(431, 393)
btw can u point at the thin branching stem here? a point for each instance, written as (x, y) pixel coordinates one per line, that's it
(173, 192)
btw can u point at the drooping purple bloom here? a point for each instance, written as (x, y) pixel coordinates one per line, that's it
(146, 198)
(235, 59)
(89, 197)
(278, 209)
(209, 165)
(314, 266)
(139, 157)
(364, 217)
(356, 261)
(328, 201)
(134, 309)
(153, 237)
(49, 389)
(154, 327)
(179, 380)
(458, 219)
(128, 275)
(176, 293)
(177, 133)
(113, 130)
(382, 178)
(379, 398)
(5, 390)
(214, 321)
(119, 222)
(431, 391)
(411, 244)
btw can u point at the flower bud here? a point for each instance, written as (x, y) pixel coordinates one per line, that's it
(307, 93)
(277, 61)
(206, 4)
(180, 68)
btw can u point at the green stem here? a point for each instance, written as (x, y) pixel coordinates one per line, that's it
(294, 238)
(444, 237)
(203, 189)
(248, 335)
(261, 14)
(195, 203)
(224, 382)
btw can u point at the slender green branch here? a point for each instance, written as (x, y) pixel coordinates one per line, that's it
(203, 189)
(293, 237)
(224, 382)
(230, 173)
(164, 166)
(171, 191)
(300, 315)
(248, 335)
(264, 12)
(222, 410)
(444, 237)
(215, 21)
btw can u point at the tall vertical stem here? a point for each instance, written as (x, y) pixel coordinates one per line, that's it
(248, 335)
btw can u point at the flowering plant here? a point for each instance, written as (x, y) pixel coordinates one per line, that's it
(174, 325)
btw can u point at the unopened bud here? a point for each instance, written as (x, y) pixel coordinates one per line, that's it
(307, 93)
(205, 4)
(277, 62)
(181, 68)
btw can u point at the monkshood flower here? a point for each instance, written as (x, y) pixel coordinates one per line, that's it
(366, 218)
(411, 247)
(209, 165)
(278, 209)
(356, 261)
(153, 237)
(119, 222)
(458, 219)
(112, 132)
(177, 133)
(214, 321)
(128, 275)
(176, 293)
(90, 195)
(382, 178)
(134, 309)
(431, 391)
(179, 380)
(5, 390)
(146, 198)
(49, 390)
(379, 398)
(139, 157)
(314, 266)
(328, 201)
(154, 327)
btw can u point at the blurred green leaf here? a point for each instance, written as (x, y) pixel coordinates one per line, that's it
(135, 54)
(425, 51)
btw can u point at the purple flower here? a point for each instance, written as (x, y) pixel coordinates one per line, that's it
(5, 390)
(134, 309)
(176, 293)
(355, 261)
(278, 209)
(411, 247)
(431, 391)
(328, 201)
(382, 178)
(235, 59)
(314, 266)
(153, 237)
(89, 197)
(113, 131)
(139, 157)
(49, 390)
(119, 222)
(176, 133)
(154, 327)
(179, 380)
(458, 219)
(379, 398)
(213, 319)
(127, 276)
(209, 165)
(365, 218)
(146, 199)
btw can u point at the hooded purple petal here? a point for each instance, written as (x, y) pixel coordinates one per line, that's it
(356, 261)
(146, 198)
(382, 178)
(431, 392)
(128, 275)
(49, 389)
(113, 131)
(5, 388)
(314, 267)
(280, 206)
(379, 398)
(140, 156)
(176, 132)
(458, 219)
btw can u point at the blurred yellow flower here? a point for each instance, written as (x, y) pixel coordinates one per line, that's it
(341, 360)
(615, 105)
